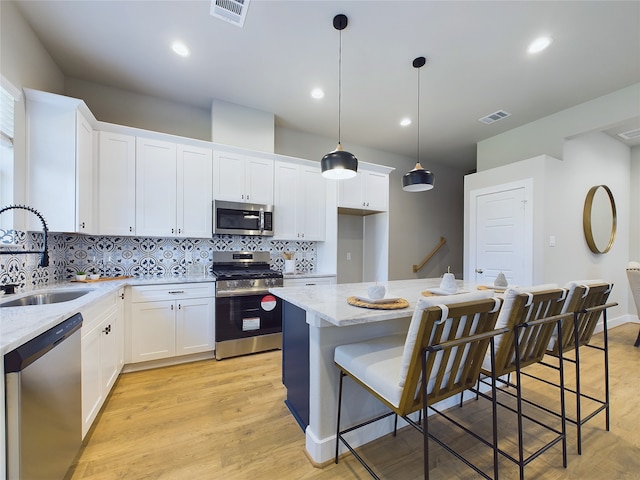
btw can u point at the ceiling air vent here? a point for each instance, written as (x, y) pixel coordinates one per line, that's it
(494, 117)
(232, 11)
(631, 134)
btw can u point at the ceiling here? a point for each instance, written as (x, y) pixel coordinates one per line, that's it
(476, 62)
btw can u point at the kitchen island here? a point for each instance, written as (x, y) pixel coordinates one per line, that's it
(317, 319)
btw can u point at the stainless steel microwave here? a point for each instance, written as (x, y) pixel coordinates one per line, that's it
(235, 218)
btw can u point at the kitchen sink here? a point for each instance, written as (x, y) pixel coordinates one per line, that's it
(46, 298)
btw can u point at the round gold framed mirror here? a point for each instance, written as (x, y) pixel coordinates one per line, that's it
(599, 219)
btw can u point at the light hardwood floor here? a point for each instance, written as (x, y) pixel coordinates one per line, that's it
(227, 420)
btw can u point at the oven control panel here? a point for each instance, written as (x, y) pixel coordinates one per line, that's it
(246, 286)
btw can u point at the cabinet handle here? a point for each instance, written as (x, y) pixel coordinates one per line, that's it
(107, 329)
(122, 296)
(82, 225)
(171, 307)
(179, 230)
(131, 229)
(176, 291)
(179, 307)
(172, 230)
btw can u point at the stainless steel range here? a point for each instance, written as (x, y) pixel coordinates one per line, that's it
(248, 317)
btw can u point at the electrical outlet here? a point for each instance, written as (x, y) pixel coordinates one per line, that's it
(348, 255)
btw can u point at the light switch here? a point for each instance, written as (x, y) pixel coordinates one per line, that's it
(348, 255)
(552, 240)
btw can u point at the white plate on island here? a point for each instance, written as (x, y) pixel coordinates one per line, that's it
(378, 300)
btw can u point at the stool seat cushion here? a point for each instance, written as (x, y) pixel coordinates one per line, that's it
(376, 363)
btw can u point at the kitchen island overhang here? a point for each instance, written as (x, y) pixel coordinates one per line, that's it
(316, 320)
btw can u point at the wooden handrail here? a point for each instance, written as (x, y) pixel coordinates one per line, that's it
(428, 257)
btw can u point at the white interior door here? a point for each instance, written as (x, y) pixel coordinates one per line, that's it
(501, 234)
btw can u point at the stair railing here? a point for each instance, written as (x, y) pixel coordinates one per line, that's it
(428, 257)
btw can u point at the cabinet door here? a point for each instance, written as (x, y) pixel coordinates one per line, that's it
(228, 177)
(375, 191)
(109, 350)
(155, 188)
(116, 184)
(153, 331)
(51, 149)
(92, 392)
(194, 326)
(350, 192)
(85, 169)
(313, 202)
(194, 192)
(286, 201)
(259, 180)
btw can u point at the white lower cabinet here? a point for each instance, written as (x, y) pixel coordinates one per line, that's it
(171, 320)
(102, 353)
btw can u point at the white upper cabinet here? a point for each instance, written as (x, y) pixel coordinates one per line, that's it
(194, 191)
(367, 191)
(156, 173)
(173, 189)
(61, 163)
(299, 202)
(242, 178)
(116, 184)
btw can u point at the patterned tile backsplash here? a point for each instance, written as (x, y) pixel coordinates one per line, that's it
(131, 256)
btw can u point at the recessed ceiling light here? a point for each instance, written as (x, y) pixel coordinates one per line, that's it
(405, 122)
(539, 44)
(180, 49)
(317, 93)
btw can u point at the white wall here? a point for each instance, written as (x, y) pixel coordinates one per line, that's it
(560, 188)
(534, 169)
(634, 226)
(547, 135)
(240, 126)
(122, 107)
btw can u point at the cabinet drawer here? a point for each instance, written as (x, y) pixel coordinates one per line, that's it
(174, 291)
(95, 312)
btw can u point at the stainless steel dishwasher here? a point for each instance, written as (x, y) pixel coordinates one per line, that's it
(44, 403)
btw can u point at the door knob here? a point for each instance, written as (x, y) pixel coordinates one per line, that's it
(479, 270)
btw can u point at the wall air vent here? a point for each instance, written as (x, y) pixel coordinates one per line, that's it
(494, 117)
(232, 11)
(631, 134)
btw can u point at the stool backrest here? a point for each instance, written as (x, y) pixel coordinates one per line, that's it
(582, 294)
(452, 368)
(633, 274)
(523, 305)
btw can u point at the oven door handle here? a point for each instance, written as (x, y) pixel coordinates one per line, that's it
(241, 293)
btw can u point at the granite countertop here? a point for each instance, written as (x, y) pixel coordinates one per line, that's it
(18, 325)
(329, 302)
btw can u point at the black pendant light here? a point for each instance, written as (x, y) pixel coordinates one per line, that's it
(418, 179)
(339, 164)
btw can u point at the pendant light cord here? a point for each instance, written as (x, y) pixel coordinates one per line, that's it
(418, 123)
(339, 87)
